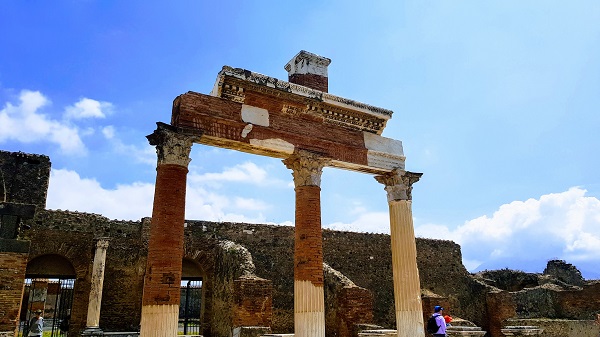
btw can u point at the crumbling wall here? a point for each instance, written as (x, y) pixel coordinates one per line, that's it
(24, 178)
(564, 272)
(365, 259)
(346, 304)
(508, 279)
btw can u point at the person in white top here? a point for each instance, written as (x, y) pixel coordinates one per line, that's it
(36, 325)
(438, 313)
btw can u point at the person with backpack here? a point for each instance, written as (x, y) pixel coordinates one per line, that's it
(436, 325)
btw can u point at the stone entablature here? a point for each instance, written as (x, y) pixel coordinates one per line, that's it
(234, 83)
(261, 120)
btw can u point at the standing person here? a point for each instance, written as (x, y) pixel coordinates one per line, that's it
(36, 325)
(438, 315)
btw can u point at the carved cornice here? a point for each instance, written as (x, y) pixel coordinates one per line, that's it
(398, 184)
(306, 167)
(172, 145)
(233, 83)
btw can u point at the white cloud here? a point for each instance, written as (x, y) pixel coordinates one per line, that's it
(204, 205)
(108, 132)
(250, 204)
(559, 225)
(25, 123)
(144, 153)
(247, 172)
(367, 222)
(69, 191)
(87, 108)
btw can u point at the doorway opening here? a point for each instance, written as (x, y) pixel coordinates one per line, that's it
(49, 284)
(191, 302)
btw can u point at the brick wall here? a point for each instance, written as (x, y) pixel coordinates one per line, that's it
(500, 307)
(312, 81)
(12, 273)
(253, 302)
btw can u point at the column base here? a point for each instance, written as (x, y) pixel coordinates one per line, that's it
(92, 332)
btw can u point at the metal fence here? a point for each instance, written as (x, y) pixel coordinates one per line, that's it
(53, 296)
(190, 307)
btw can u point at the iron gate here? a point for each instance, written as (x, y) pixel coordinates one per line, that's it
(190, 306)
(53, 296)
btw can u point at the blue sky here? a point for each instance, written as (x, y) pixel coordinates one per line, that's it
(496, 102)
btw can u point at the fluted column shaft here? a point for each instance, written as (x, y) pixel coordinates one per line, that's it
(407, 289)
(93, 316)
(309, 298)
(160, 301)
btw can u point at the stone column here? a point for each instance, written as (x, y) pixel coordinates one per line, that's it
(160, 301)
(309, 298)
(407, 290)
(93, 315)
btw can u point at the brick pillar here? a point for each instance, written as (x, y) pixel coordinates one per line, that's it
(13, 263)
(160, 301)
(309, 70)
(500, 306)
(309, 298)
(407, 290)
(355, 306)
(93, 315)
(253, 302)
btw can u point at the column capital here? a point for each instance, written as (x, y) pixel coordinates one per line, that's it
(102, 242)
(173, 145)
(307, 167)
(398, 183)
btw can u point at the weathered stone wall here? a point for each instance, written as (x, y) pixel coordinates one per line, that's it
(72, 235)
(508, 279)
(24, 178)
(502, 307)
(579, 304)
(564, 272)
(253, 302)
(271, 248)
(365, 259)
(346, 304)
(548, 295)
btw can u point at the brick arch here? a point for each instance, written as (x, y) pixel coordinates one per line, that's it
(203, 259)
(191, 268)
(50, 266)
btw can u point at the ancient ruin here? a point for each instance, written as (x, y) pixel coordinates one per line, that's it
(165, 274)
